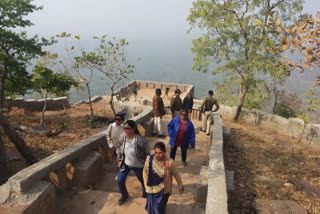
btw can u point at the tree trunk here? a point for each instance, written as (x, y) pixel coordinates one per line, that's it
(243, 92)
(24, 150)
(77, 96)
(3, 81)
(3, 162)
(89, 96)
(275, 102)
(43, 110)
(111, 103)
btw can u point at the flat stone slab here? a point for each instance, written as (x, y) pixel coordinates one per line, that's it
(265, 206)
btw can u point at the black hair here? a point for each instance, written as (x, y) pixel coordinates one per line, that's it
(158, 91)
(121, 114)
(210, 92)
(184, 110)
(161, 146)
(132, 125)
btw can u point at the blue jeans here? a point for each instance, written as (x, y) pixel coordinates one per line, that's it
(122, 177)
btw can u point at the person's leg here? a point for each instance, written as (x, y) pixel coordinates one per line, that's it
(204, 121)
(155, 126)
(173, 152)
(184, 154)
(164, 202)
(138, 172)
(160, 127)
(121, 180)
(209, 121)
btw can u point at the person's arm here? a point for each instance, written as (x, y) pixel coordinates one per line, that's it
(217, 106)
(172, 103)
(146, 171)
(171, 128)
(192, 136)
(121, 144)
(176, 176)
(202, 105)
(108, 136)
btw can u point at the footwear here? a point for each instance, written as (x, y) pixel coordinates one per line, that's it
(144, 195)
(161, 136)
(208, 134)
(116, 178)
(184, 163)
(122, 200)
(202, 130)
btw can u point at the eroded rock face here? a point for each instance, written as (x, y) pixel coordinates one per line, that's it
(264, 206)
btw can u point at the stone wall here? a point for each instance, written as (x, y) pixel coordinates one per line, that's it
(292, 127)
(53, 104)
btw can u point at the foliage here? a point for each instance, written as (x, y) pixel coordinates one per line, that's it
(16, 48)
(45, 82)
(302, 37)
(76, 65)
(284, 111)
(109, 58)
(238, 36)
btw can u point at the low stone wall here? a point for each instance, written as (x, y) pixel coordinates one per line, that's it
(53, 104)
(32, 190)
(217, 199)
(292, 127)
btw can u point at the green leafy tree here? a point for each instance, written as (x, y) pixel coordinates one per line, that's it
(238, 36)
(110, 60)
(16, 48)
(46, 82)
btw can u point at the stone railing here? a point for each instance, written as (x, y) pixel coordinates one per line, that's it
(292, 127)
(32, 190)
(217, 199)
(53, 104)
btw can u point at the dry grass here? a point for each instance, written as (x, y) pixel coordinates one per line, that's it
(267, 165)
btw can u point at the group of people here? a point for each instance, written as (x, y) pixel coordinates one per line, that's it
(155, 172)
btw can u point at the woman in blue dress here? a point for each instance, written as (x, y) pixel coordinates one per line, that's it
(158, 173)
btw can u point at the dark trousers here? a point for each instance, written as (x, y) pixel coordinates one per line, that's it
(183, 153)
(122, 176)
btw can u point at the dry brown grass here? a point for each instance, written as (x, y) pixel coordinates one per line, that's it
(267, 165)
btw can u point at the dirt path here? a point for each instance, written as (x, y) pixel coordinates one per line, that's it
(104, 199)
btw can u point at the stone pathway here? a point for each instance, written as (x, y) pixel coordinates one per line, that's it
(104, 198)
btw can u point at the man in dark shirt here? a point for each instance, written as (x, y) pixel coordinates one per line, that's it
(188, 104)
(176, 104)
(206, 109)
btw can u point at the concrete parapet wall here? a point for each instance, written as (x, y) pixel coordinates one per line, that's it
(53, 104)
(292, 127)
(217, 198)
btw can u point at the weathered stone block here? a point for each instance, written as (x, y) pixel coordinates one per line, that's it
(41, 198)
(202, 188)
(145, 128)
(88, 170)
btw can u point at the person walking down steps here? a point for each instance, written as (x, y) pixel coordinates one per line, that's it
(176, 104)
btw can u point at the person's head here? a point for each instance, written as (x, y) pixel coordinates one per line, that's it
(130, 127)
(210, 92)
(158, 91)
(167, 89)
(189, 95)
(159, 150)
(120, 117)
(177, 92)
(184, 115)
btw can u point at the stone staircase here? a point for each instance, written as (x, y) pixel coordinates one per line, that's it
(103, 198)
